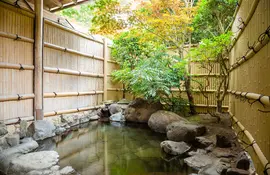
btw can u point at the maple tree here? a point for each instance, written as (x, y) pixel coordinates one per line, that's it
(169, 21)
(147, 70)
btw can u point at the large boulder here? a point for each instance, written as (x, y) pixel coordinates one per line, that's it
(140, 110)
(32, 162)
(12, 153)
(202, 142)
(242, 161)
(224, 140)
(3, 143)
(117, 117)
(236, 171)
(183, 131)
(216, 168)
(13, 139)
(114, 108)
(199, 161)
(160, 119)
(3, 129)
(41, 129)
(174, 148)
(103, 112)
(23, 128)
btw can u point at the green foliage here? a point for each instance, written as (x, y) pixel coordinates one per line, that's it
(83, 15)
(130, 47)
(152, 78)
(211, 49)
(213, 18)
(104, 19)
(100, 16)
(169, 21)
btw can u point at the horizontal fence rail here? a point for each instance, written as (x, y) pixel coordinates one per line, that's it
(265, 100)
(255, 146)
(111, 61)
(16, 66)
(53, 113)
(263, 40)
(68, 94)
(16, 97)
(71, 72)
(53, 46)
(115, 89)
(16, 37)
(18, 119)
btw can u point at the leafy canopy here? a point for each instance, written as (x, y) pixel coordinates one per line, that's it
(105, 21)
(211, 49)
(168, 20)
(130, 47)
(213, 18)
(83, 15)
(146, 69)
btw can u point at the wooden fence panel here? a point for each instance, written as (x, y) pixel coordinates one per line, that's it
(252, 76)
(67, 50)
(16, 48)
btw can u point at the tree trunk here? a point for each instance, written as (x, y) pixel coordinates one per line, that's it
(124, 91)
(190, 96)
(219, 106)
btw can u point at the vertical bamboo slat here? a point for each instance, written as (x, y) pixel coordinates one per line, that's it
(105, 69)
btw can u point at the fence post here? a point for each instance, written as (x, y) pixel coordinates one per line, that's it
(105, 68)
(38, 59)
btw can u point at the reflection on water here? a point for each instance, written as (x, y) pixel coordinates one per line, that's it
(112, 149)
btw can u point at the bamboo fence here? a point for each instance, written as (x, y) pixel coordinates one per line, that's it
(74, 67)
(249, 79)
(199, 76)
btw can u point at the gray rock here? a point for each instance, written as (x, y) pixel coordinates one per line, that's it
(203, 142)
(13, 140)
(223, 152)
(9, 154)
(198, 151)
(26, 139)
(210, 148)
(118, 117)
(236, 171)
(60, 130)
(33, 162)
(72, 119)
(161, 119)
(174, 148)
(224, 140)
(23, 128)
(199, 161)
(242, 161)
(41, 129)
(104, 112)
(217, 168)
(84, 119)
(95, 117)
(140, 110)
(3, 129)
(123, 101)
(114, 108)
(48, 144)
(3, 143)
(52, 171)
(68, 170)
(182, 131)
